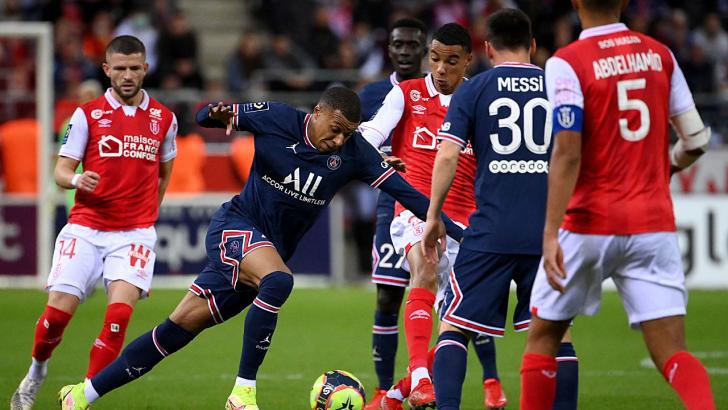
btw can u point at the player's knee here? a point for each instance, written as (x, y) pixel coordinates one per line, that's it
(425, 278)
(275, 288)
(389, 299)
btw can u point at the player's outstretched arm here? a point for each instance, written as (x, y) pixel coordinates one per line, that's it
(411, 199)
(563, 173)
(443, 173)
(216, 116)
(66, 177)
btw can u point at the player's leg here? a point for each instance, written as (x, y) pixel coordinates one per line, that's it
(567, 364)
(75, 268)
(122, 296)
(264, 268)
(418, 323)
(385, 335)
(588, 259)
(567, 376)
(127, 271)
(190, 317)
(391, 280)
(651, 283)
(451, 357)
(538, 370)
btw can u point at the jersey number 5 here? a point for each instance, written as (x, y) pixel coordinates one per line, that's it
(511, 122)
(625, 103)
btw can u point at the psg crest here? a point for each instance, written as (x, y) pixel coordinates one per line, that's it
(334, 162)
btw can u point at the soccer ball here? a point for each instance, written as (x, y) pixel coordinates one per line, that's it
(337, 390)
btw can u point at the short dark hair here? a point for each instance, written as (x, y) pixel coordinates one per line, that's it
(409, 22)
(602, 5)
(344, 100)
(453, 34)
(509, 29)
(126, 45)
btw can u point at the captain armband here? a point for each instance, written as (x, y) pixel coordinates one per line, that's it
(693, 140)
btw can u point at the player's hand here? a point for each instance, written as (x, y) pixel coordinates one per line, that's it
(433, 240)
(224, 114)
(396, 163)
(553, 263)
(87, 181)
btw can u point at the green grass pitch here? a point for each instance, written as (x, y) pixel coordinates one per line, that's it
(321, 329)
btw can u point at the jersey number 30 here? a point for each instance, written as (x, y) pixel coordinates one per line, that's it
(511, 122)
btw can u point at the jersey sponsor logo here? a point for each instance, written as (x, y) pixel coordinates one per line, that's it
(519, 167)
(302, 189)
(334, 162)
(419, 110)
(566, 117)
(104, 123)
(154, 127)
(424, 138)
(96, 114)
(256, 106)
(156, 113)
(68, 132)
(110, 146)
(415, 95)
(140, 254)
(293, 147)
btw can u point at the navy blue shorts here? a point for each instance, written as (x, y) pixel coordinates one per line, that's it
(227, 242)
(386, 262)
(478, 290)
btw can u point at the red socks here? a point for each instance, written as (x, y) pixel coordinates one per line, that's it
(418, 325)
(538, 382)
(688, 377)
(108, 345)
(49, 332)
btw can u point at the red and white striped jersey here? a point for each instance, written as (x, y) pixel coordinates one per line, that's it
(124, 145)
(628, 86)
(413, 112)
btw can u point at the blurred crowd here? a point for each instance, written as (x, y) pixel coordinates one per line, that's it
(309, 35)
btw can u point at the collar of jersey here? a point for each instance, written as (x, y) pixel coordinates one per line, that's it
(602, 30)
(393, 78)
(307, 140)
(517, 65)
(116, 104)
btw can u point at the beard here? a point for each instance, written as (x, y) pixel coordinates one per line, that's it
(129, 93)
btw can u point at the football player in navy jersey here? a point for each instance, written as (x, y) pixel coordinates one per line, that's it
(406, 49)
(505, 114)
(301, 161)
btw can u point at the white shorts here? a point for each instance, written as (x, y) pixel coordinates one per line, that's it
(406, 231)
(646, 268)
(83, 255)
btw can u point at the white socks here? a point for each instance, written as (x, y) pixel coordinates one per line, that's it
(417, 375)
(239, 381)
(38, 370)
(90, 392)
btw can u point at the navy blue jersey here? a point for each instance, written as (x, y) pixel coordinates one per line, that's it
(291, 182)
(505, 114)
(372, 97)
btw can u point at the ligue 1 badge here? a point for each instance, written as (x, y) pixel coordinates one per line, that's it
(154, 127)
(334, 162)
